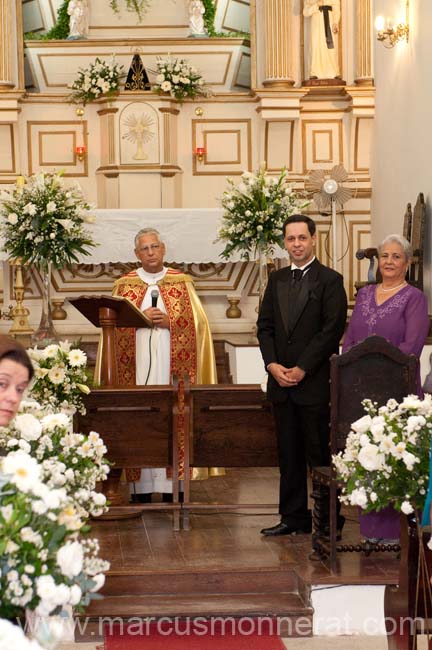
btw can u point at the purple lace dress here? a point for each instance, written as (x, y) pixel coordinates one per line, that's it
(402, 320)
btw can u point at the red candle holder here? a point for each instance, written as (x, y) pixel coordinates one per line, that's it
(80, 153)
(200, 152)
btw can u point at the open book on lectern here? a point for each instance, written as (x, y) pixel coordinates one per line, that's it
(124, 313)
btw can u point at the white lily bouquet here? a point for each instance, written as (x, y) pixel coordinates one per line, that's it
(100, 79)
(179, 79)
(72, 461)
(43, 222)
(60, 379)
(43, 564)
(386, 459)
(254, 212)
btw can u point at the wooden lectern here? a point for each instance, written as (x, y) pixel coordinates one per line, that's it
(108, 313)
(138, 424)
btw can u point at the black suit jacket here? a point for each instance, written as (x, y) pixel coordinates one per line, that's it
(304, 332)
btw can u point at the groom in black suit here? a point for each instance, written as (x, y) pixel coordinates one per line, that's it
(300, 323)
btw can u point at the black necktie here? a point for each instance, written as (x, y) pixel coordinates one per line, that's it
(297, 275)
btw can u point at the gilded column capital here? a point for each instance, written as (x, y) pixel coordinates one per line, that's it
(278, 57)
(363, 73)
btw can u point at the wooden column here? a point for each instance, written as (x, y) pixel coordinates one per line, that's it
(363, 72)
(278, 63)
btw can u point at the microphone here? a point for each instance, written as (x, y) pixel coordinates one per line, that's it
(154, 297)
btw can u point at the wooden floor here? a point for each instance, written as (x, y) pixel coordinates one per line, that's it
(232, 540)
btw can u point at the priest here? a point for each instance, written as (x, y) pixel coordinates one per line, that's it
(180, 342)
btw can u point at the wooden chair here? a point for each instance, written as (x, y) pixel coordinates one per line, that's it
(414, 232)
(374, 369)
(139, 428)
(408, 605)
(227, 425)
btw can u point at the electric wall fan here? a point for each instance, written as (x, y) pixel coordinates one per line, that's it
(330, 196)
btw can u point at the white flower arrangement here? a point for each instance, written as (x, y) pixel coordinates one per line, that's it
(100, 79)
(12, 636)
(43, 222)
(386, 458)
(179, 79)
(43, 565)
(60, 378)
(255, 211)
(67, 460)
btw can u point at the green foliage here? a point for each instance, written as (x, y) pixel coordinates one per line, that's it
(60, 31)
(209, 16)
(245, 35)
(140, 7)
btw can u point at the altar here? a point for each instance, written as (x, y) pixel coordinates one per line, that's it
(189, 234)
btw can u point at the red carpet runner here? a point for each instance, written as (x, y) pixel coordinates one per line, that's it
(196, 634)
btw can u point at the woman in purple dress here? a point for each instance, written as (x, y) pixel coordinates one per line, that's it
(398, 312)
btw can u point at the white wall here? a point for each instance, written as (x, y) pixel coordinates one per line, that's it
(401, 159)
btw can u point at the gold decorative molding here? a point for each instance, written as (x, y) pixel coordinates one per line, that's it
(243, 55)
(290, 163)
(356, 144)
(56, 163)
(243, 164)
(224, 24)
(45, 56)
(237, 133)
(171, 111)
(107, 111)
(133, 43)
(13, 169)
(33, 128)
(339, 132)
(315, 159)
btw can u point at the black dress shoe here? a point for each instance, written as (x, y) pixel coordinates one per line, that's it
(286, 529)
(167, 497)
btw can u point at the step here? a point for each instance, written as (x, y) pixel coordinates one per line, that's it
(279, 595)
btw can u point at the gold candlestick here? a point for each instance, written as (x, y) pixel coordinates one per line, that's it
(20, 326)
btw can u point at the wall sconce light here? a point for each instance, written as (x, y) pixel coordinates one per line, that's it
(80, 152)
(200, 152)
(391, 35)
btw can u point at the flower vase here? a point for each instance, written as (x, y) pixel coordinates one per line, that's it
(45, 333)
(262, 274)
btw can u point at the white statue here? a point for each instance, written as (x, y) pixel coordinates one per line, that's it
(196, 18)
(325, 17)
(79, 19)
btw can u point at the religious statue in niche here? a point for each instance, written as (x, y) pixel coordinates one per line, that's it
(78, 19)
(324, 18)
(196, 18)
(139, 131)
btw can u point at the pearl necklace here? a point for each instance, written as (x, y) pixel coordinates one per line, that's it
(393, 288)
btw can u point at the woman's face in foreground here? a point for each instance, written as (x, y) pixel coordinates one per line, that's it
(14, 379)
